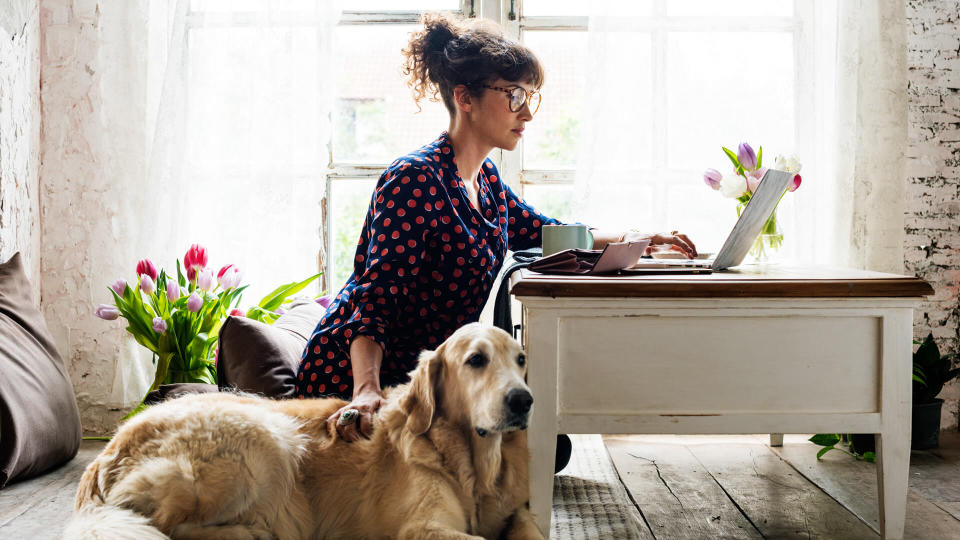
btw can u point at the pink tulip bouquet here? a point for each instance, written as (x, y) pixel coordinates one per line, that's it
(742, 182)
(178, 318)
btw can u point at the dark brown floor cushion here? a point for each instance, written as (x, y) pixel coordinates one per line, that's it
(264, 358)
(39, 419)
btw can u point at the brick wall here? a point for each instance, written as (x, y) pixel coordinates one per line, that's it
(932, 249)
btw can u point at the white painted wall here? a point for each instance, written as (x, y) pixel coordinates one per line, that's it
(20, 134)
(92, 163)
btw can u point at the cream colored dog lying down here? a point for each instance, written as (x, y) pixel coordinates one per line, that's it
(448, 459)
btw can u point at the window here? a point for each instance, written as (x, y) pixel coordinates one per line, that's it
(672, 127)
(676, 102)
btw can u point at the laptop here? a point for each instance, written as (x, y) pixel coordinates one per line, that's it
(740, 239)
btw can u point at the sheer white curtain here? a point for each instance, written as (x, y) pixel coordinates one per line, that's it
(823, 79)
(237, 98)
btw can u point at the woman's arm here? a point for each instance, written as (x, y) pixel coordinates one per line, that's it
(365, 359)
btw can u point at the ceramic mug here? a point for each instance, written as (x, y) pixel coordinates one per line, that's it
(560, 237)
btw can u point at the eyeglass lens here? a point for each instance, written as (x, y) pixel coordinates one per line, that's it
(519, 96)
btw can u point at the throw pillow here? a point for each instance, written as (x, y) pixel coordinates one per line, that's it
(39, 418)
(264, 358)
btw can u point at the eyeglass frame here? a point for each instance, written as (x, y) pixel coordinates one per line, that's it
(527, 96)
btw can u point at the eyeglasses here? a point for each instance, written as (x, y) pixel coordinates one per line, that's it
(519, 96)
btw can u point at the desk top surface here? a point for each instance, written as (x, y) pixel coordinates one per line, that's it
(770, 281)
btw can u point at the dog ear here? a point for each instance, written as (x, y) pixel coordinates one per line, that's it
(420, 401)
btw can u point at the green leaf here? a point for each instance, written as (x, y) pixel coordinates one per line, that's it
(733, 159)
(870, 456)
(273, 300)
(181, 279)
(760, 158)
(825, 439)
(824, 451)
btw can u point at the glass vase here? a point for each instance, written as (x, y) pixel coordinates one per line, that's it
(768, 242)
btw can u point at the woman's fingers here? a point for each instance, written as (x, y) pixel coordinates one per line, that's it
(688, 241)
(366, 424)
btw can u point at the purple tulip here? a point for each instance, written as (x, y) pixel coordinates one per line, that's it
(205, 279)
(325, 301)
(712, 178)
(146, 284)
(195, 302)
(795, 183)
(237, 313)
(107, 312)
(159, 325)
(746, 156)
(119, 286)
(173, 290)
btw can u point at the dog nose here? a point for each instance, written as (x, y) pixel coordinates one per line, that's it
(519, 401)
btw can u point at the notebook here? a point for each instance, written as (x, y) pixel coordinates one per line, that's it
(741, 238)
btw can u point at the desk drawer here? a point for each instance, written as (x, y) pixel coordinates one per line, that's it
(726, 364)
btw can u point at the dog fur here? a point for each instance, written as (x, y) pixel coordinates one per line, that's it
(447, 459)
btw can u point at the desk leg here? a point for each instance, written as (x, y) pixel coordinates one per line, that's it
(541, 348)
(893, 468)
(893, 441)
(776, 439)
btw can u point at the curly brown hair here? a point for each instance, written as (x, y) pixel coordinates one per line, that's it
(450, 51)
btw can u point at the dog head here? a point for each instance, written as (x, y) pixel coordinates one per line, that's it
(475, 377)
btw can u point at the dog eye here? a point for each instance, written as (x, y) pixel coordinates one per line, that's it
(478, 360)
(521, 360)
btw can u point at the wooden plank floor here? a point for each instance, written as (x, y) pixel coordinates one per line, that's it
(685, 487)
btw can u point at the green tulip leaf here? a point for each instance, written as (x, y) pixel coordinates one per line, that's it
(760, 158)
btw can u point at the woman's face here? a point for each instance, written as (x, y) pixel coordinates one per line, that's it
(493, 120)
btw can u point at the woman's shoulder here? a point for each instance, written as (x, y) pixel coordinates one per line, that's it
(425, 161)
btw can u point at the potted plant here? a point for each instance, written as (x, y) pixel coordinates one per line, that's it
(930, 372)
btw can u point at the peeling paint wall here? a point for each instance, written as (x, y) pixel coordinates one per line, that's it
(20, 135)
(92, 162)
(932, 249)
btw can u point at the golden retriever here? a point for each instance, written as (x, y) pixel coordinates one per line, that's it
(447, 459)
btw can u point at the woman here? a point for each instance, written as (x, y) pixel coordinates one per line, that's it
(439, 224)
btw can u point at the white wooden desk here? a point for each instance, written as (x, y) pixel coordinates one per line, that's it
(775, 350)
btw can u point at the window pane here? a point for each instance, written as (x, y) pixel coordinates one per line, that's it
(374, 117)
(554, 201)
(349, 202)
(738, 8)
(550, 140)
(623, 96)
(711, 103)
(225, 6)
(263, 84)
(404, 5)
(537, 8)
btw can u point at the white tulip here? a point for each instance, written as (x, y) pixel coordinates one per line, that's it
(733, 185)
(788, 164)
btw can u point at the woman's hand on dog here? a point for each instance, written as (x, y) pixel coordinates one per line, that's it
(366, 403)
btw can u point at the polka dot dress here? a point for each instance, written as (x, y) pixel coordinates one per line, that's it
(424, 266)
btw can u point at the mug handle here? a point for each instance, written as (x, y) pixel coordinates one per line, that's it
(588, 237)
